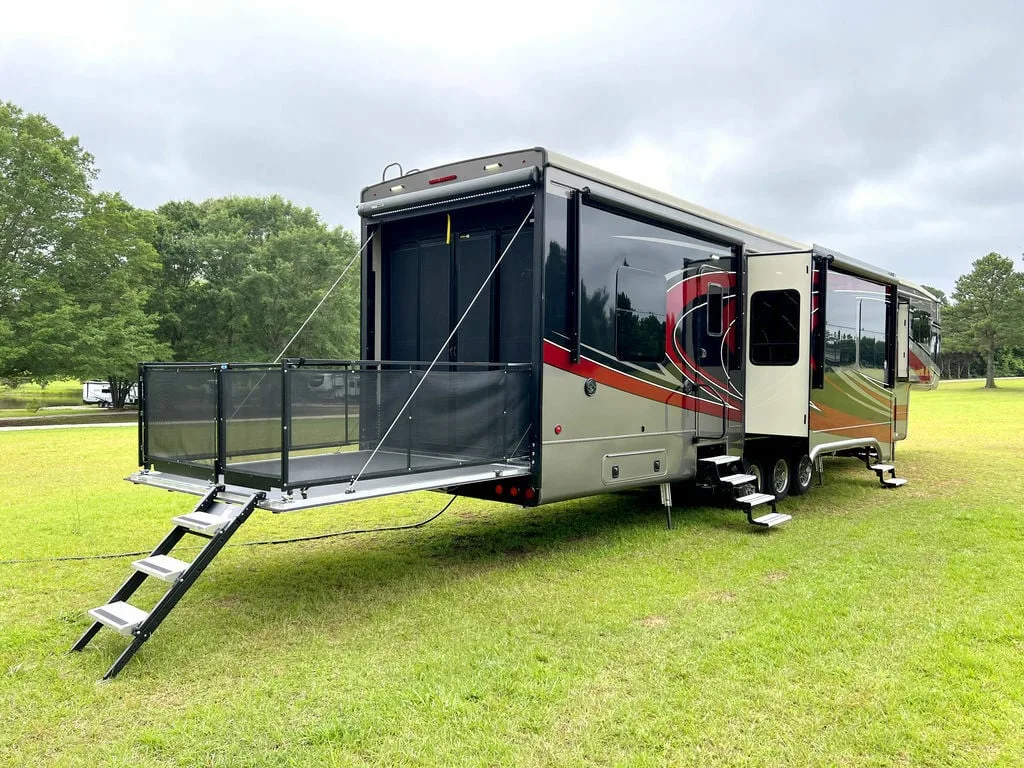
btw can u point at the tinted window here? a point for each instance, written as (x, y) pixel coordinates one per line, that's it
(856, 316)
(610, 241)
(556, 296)
(639, 315)
(775, 327)
(921, 327)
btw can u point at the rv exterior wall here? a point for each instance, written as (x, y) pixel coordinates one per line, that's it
(859, 397)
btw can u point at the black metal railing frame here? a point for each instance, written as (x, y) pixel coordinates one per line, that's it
(217, 465)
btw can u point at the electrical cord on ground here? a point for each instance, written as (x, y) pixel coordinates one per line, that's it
(265, 542)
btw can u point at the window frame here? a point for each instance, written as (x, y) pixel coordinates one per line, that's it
(751, 345)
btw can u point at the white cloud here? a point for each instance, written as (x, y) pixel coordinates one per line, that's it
(899, 142)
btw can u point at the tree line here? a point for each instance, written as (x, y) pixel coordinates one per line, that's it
(90, 285)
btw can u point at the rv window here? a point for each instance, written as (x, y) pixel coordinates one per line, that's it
(714, 310)
(775, 327)
(921, 327)
(639, 315)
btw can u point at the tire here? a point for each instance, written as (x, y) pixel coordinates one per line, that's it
(803, 474)
(779, 477)
(755, 466)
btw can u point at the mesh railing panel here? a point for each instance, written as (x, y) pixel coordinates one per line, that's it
(180, 415)
(252, 416)
(460, 415)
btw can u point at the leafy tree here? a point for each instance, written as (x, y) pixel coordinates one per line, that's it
(239, 276)
(74, 266)
(988, 311)
(44, 186)
(938, 293)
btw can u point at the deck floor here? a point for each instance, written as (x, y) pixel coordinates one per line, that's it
(325, 466)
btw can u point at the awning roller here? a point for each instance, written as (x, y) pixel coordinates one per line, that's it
(493, 184)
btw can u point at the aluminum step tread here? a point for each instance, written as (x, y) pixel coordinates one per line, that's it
(203, 522)
(163, 567)
(718, 460)
(122, 616)
(894, 482)
(882, 467)
(772, 519)
(739, 479)
(753, 499)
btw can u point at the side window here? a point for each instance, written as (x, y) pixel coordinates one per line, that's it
(775, 327)
(921, 327)
(714, 310)
(639, 315)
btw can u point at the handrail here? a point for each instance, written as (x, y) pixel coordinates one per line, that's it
(296, 362)
(248, 424)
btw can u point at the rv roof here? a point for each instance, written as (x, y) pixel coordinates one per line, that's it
(416, 182)
(612, 180)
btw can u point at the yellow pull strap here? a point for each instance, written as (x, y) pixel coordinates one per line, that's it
(448, 237)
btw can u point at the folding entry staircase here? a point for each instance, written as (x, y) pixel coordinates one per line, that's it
(738, 484)
(214, 519)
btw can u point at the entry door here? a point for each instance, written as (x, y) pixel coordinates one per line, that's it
(710, 343)
(778, 323)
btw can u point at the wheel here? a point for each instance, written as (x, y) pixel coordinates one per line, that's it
(755, 466)
(803, 473)
(779, 477)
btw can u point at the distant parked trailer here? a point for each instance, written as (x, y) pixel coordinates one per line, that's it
(98, 393)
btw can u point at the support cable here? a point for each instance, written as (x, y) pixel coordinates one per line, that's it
(444, 346)
(329, 292)
(305, 323)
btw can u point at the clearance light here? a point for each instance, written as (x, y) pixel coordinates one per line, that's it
(513, 491)
(499, 489)
(558, 429)
(529, 494)
(492, 166)
(443, 179)
(398, 187)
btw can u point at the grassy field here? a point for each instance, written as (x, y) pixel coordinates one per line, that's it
(877, 628)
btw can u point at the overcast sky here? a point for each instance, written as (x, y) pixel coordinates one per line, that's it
(890, 131)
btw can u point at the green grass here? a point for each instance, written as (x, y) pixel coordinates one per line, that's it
(877, 628)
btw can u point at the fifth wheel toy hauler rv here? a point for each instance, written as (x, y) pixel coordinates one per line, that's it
(534, 329)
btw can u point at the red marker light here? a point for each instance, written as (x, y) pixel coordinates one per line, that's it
(513, 491)
(443, 179)
(499, 489)
(529, 494)
(558, 429)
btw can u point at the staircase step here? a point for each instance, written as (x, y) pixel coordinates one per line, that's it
(882, 467)
(739, 479)
(894, 482)
(719, 460)
(772, 519)
(121, 616)
(203, 522)
(753, 499)
(163, 567)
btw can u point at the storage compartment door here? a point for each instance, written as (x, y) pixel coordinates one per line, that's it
(778, 325)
